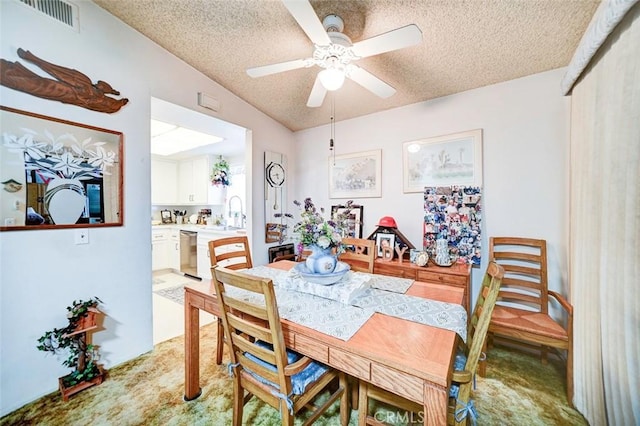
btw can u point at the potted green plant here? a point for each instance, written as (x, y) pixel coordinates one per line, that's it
(72, 339)
(220, 173)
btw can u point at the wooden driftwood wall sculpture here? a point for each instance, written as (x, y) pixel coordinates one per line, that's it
(70, 86)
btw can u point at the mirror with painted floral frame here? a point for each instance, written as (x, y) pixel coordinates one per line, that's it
(58, 174)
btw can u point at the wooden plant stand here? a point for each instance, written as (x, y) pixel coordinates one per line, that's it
(67, 392)
(86, 324)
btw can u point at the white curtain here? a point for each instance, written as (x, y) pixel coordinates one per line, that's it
(605, 229)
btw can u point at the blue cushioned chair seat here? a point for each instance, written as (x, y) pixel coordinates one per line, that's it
(299, 381)
(458, 365)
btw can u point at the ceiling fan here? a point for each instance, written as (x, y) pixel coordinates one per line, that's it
(335, 53)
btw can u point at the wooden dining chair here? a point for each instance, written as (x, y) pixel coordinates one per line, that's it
(522, 312)
(232, 253)
(289, 256)
(360, 254)
(466, 361)
(302, 256)
(260, 364)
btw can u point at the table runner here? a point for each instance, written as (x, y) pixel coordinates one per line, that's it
(349, 287)
(344, 320)
(324, 315)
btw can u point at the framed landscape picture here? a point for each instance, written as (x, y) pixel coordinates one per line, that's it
(454, 159)
(356, 175)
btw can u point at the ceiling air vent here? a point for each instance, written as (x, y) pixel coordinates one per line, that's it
(61, 11)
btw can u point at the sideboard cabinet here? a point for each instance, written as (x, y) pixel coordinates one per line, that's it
(458, 275)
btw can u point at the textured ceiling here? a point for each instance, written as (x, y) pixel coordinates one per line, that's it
(466, 44)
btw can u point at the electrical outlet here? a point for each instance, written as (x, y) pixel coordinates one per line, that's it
(9, 221)
(82, 236)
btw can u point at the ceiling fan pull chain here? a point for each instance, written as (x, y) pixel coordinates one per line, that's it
(333, 127)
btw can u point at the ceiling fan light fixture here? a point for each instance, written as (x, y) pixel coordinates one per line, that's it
(331, 78)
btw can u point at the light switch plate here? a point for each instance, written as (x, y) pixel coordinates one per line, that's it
(82, 236)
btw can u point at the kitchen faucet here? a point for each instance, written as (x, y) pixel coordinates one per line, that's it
(236, 213)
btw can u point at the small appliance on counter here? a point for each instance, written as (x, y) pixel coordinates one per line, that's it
(204, 216)
(166, 216)
(180, 214)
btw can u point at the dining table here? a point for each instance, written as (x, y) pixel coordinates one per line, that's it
(408, 358)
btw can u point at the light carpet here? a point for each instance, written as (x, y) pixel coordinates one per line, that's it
(148, 390)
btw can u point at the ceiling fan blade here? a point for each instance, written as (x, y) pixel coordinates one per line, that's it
(276, 68)
(392, 40)
(318, 92)
(370, 82)
(303, 13)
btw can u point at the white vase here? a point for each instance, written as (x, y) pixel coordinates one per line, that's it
(321, 261)
(65, 200)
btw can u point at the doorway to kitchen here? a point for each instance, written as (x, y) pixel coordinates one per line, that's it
(187, 147)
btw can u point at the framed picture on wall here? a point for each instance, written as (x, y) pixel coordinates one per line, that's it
(454, 159)
(356, 175)
(354, 220)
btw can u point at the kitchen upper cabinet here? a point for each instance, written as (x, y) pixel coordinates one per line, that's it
(193, 181)
(164, 186)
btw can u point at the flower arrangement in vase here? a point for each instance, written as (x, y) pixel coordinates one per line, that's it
(220, 173)
(62, 167)
(82, 356)
(322, 237)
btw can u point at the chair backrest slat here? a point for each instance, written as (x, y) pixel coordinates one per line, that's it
(258, 369)
(250, 328)
(248, 346)
(514, 255)
(246, 307)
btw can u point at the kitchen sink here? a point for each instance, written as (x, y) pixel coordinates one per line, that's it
(226, 228)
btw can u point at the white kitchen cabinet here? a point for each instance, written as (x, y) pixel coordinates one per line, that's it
(203, 259)
(173, 250)
(159, 249)
(164, 186)
(165, 249)
(193, 180)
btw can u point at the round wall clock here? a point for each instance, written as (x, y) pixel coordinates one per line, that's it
(275, 174)
(275, 179)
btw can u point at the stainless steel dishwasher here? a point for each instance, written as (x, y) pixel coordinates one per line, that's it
(189, 253)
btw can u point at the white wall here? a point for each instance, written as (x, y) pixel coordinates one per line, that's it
(42, 272)
(525, 125)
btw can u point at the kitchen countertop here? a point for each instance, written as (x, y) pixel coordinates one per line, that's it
(202, 228)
